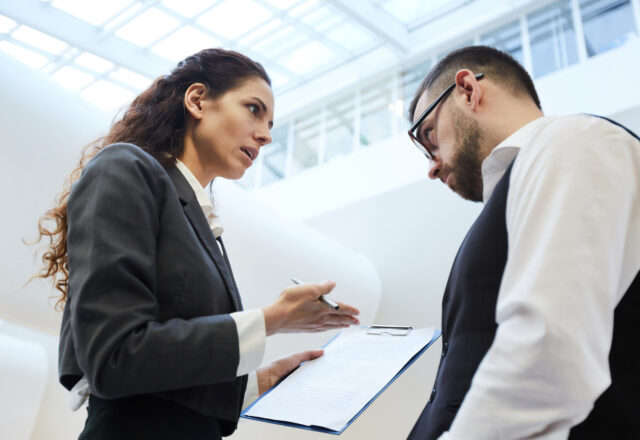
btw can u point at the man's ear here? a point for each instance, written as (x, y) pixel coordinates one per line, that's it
(468, 87)
(193, 97)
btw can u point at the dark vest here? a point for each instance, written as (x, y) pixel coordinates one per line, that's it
(468, 329)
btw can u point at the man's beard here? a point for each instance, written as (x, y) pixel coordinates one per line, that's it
(466, 163)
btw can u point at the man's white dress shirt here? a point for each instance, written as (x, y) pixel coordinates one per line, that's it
(573, 225)
(249, 323)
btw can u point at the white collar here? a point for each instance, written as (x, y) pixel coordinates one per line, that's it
(203, 198)
(494, 166)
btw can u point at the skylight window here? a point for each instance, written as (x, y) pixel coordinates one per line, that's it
(95, 12)
(351, 37)
(232, 19)
(6, 24)
(147, 27)
(408, 11)
(107, 96)
(94, 63)
(309, 57)
(283, 4)
(26, 56)
(188, 8)
(183, 43)
(39, 40)
(132, 79)
(72, 79)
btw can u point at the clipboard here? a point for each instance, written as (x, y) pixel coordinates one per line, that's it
(373, 331)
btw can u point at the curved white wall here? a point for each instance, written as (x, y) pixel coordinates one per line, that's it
(43, 129)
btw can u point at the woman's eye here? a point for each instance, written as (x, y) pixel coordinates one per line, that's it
(253, 108)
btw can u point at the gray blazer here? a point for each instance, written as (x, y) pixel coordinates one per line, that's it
(149, 290)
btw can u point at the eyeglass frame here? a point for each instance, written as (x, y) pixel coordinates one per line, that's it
(416, 125)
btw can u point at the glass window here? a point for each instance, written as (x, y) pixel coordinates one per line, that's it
(376, 112)
(274, 156)
(307, 141)
(553, 39)
(607, 24)
(507, 39)
(410, 80)
(339, 128)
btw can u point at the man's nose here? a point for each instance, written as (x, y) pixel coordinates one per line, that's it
(434, 167)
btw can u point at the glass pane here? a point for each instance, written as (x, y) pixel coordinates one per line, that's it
(307, 142)
(607, 24)
(553, 40)
(339, 128)
(507, 39)
(410, 81)
(274, 156)
(376, 113)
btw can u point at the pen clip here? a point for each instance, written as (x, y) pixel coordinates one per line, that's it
(393, 330)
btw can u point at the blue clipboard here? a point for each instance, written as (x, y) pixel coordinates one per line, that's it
(436, 335)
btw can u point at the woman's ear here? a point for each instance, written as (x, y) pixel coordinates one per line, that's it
(193, 97)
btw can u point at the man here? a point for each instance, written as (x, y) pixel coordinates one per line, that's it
(542, 308)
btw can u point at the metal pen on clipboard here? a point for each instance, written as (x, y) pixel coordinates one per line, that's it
(322, 299)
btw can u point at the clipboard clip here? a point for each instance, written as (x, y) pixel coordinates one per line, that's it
(393, 330)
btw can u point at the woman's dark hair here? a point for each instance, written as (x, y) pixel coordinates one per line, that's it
(156, 122)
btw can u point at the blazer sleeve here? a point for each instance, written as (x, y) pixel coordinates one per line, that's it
(115, 214)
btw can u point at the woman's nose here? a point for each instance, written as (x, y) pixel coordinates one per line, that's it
(263, 136)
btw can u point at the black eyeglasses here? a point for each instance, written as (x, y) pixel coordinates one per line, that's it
(413, 131)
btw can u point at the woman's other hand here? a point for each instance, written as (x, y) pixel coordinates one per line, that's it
(269, 375)
(298, 309)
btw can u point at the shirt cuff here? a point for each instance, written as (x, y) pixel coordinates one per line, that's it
(251, 394)
(252, 335)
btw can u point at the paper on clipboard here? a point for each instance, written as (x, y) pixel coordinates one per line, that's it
(329, 392)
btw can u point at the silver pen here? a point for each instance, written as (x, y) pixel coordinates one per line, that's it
(322, 299)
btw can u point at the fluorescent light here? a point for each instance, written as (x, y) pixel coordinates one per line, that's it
(30, 58)
(6, 24)
(39, 40)
(95, 12)
(72, 79)
(107, 95)
(131, 78)
(232, 19)
(147, 27)
(188, 8)
(92, 62)
(183, 43)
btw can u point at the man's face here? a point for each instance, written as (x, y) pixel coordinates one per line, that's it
(455, 140)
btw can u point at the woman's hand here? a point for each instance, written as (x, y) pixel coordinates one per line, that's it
(298, 309)
(269, 375)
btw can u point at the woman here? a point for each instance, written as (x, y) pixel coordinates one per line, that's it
(153, 327)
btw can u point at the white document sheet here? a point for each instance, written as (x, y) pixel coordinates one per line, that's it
(329, 391)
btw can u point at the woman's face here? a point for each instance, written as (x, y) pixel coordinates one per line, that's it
(232, 128)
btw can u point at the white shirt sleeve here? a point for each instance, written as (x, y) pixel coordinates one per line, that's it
(573, 222)
(252, 335)
(251, 393)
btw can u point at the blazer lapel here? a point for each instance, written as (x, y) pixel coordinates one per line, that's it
(194, 214)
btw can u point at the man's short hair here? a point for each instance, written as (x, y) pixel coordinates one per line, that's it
(495, 64)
